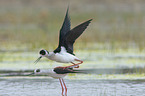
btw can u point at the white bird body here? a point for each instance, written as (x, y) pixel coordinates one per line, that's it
(50, 72)
(62, 56)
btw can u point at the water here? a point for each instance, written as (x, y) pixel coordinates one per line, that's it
(109, 74)
(44, 86)
(92, 59)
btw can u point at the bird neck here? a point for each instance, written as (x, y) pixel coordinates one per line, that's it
(47, 71)
(50, 54)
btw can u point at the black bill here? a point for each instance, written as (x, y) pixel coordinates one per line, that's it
(38, 59)
(30, 74)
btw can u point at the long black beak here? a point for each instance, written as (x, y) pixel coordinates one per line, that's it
(38, 59)
(30, 74)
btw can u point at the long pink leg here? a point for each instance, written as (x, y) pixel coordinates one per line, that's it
(74, 64)
(80, 62)
(65, 87)
(61, 86)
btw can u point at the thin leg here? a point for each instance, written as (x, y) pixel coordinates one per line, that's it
(61, 86)
(65, 87)
(80, 62)
(74, 65)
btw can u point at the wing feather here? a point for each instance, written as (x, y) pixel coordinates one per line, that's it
(65, 28)
(73, 34)
(67, 37)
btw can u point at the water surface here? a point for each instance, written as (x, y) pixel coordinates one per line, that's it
(108, 74)
(38, 86)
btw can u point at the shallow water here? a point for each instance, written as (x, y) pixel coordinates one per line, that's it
(109, 74)
(38, 86)
(92, 59)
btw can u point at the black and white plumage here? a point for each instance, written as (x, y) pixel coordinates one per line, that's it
(64, 52)
(58, 73)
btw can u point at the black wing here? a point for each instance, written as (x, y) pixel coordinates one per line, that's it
(65, 28)
(73, 34)
(67, 69)
(62, 70)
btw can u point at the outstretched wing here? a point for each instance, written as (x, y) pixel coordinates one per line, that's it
(67, 37)
(65, 28)
(73, 34)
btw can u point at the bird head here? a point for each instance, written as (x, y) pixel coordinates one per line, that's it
(42, 71)
(43, 53)
(37, 71)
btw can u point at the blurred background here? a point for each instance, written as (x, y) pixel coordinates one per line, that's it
(112, 47)
(115, 38)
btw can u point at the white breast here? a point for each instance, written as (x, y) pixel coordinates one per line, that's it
(62, 56)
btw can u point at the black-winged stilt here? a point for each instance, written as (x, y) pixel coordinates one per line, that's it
(58, 73)
(64, 52)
